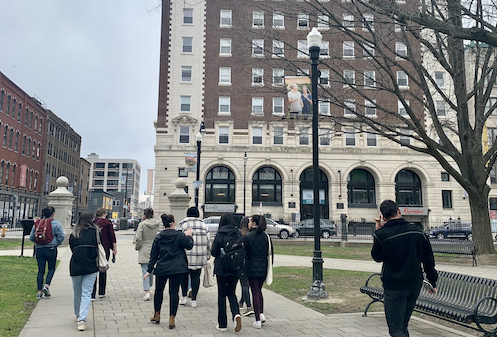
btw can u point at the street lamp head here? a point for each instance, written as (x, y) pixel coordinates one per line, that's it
(245, 158)
(202, 129)
(198, 137)
(314, 38)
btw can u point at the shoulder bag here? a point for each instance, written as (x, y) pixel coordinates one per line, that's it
(103, 264)
(269, 275)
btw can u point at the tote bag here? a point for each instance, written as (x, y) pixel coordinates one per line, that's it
(269, 275)
(103, 265)
(208, 270)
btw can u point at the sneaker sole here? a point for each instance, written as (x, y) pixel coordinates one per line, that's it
(238, 325)
(248, 313)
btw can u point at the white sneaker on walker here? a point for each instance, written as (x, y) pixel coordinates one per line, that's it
(257, 324)
(262, 317)
(146, 297)
(183, 300)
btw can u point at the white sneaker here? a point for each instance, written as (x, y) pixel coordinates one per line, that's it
(262, 317)
(194, 304)
(237, 323)
(146, 297)
(221, 329)
(257, 324)
(183, 300)
(81, 325)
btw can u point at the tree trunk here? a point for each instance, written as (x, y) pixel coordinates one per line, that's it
(482, 233)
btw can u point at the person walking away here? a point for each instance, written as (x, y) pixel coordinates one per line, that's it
(402, 247)
(144, 238)
(108, 242)
(227, 277)
(257, 246)
(245, 298)
(47, 234)
(83, 266)
(197, 256)
(168, 262)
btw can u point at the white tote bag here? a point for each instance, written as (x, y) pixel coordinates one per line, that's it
(269, 275)
(103, 264)
(208, 271)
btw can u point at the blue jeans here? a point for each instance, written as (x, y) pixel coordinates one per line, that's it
(44, 255)
(146, 283)
(82, 286)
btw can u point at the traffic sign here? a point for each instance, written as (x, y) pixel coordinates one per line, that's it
(197, 184)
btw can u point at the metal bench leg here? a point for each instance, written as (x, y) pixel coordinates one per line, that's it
(367, 307)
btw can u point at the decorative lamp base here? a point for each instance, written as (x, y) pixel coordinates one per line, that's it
(317, 291)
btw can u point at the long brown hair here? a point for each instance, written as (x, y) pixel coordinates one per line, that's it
(85, 222)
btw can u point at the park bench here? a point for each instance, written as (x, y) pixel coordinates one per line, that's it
(461, 299)
(461, 247)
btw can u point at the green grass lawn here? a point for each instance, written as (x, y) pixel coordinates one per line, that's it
(11, 244)
(17, 293)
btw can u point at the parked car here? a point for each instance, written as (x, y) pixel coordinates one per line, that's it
(306, 228)
(115, 224)
(212, 223)
(452, 230)
(283, 231)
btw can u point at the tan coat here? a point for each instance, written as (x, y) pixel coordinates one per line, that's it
(145, 235)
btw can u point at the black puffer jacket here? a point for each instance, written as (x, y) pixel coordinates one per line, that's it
(256, 247)
(222, 234)
(403, 247)
(84, 253)
(168, 253)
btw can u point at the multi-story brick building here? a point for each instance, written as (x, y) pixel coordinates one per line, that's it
(22, 124)
(226, 62)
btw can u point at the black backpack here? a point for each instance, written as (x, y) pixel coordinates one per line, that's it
(233, 253)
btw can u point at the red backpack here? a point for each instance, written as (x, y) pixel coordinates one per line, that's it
(43, 231)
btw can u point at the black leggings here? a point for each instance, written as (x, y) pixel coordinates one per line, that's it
(195, 277)
(258, 301)
(160, 284)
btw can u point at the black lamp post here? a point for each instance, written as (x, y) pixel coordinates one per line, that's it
(317, 288)
(245, 158)
(199, 137)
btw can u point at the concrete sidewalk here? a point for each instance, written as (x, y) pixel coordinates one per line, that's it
(124, 313)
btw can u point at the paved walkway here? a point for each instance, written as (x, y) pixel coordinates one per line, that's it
(124, 313)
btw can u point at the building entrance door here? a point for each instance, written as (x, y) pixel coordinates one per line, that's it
(307, 195)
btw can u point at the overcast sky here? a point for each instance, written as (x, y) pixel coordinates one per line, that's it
(94, 63)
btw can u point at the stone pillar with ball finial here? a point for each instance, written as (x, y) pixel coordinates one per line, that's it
(179, 200)
(62, 201)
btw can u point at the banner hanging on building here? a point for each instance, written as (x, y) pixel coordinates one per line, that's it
(22, 176)
(191, 161)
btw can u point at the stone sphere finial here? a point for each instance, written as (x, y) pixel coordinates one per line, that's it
(180, 183)
(62, 182)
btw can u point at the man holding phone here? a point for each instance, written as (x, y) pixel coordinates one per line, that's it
(402, 247)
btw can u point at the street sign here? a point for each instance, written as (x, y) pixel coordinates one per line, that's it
(197, 184)
(123, 180)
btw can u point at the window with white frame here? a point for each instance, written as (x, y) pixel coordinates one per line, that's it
(258, 47)
(371, 138)
(187, 44)
(324, 108)
(405, 138)
(440, 79)
(324, 137)
(303, 20)
(225, 46)
(368, 21)
(349, 137)
(325, 48)
(278, 76)
(367, 50)
(349, 109)
(224, 75)
(225, 18)
(278, 105)
(257, 136)
(304, 136)
(278, 136)
(184, 134)
(369, 78)
(324, 77)
(349, 77)
(225, 104)
(278, 20)
(278, 48)
(303, 51)
(186, 74)
(323, 21)
(258, 19)
(185, 102)
(257, 76)
(224, 134)
(370, 108)
(347, 20)
(402, 109)
(348, 48)
(400, 49)
(257, 106)
(441, 110)
(402, 79)
(188, 15)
